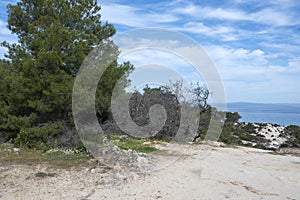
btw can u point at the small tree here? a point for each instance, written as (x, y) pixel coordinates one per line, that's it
(194, 95)
(140, 105)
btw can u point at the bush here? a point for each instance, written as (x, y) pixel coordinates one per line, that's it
(37, 137)
(249, 128)
(293, 132)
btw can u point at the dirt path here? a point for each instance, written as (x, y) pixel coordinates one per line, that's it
(224, 173)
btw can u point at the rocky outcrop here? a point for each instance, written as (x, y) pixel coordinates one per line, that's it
(120, 166)
(266, 135)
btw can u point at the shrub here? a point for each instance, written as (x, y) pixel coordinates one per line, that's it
(37, 137)
(293, 133)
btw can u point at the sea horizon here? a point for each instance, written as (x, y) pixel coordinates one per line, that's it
(283, 114)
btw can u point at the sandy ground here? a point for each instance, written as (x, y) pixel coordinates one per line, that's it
(224, 173)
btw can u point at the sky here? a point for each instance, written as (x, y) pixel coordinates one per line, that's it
(254, 44)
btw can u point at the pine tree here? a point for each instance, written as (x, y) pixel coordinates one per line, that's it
(54, 37)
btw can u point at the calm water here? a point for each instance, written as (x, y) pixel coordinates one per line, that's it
(282, 114)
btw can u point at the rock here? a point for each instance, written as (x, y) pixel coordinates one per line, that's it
(16, 150)
(272, 133)
(119, 166)
(86, 170)
(146, 143)
(133, 176)
(117, 183)
(106, 180)
(94, 170)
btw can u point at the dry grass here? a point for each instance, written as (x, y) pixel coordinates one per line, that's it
(9, 155)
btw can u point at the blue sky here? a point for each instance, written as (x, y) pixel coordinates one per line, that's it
(254, 44)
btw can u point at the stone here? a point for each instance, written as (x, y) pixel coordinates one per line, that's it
(16, 150)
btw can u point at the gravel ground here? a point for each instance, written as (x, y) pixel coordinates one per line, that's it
(176, 172)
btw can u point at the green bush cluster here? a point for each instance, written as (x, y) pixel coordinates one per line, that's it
(38, 137)
(37, 76)
(293, 134)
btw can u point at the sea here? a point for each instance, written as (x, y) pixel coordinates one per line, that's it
(283, 114)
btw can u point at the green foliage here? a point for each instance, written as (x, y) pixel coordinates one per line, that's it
(249, 128)
(64, 159)
(293, 132)
(56, 33)
(232, 117)
(106, 86)
(55, 36)
(246, 136)
(234, 132)
(37, 137)
(204, 123)
(126, 142)
(229, 129)
(43, 174)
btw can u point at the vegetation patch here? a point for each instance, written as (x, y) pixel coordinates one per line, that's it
(55, 159)
(43, 174)
(138, 144)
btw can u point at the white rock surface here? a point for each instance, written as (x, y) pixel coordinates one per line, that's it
(272, 133)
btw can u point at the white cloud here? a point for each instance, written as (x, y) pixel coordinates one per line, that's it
(240, 68)
(5, 35)
(224, 32)
(282, 47)
(223, 14)
(211, 13)
(236, 56)
(294, 65)
(3, 29)
(278, 90)
(278, 4)
(160, 65)
(192, 18)
(269, 16)
(249, 75)
(178, 56)
(132, 16)
(2, 52)
(255, 34)
(273, 17)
